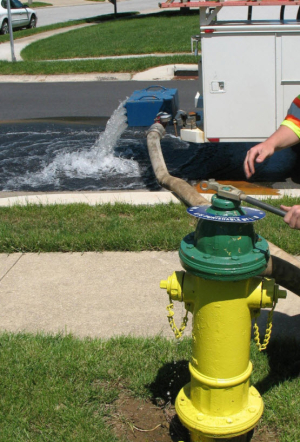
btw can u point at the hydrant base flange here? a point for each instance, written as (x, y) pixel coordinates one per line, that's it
(218, 427)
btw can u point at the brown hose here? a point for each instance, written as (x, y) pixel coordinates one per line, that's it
(282, 266)
(186, 193)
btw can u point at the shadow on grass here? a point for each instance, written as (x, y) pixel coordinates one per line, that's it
(169, 380)
(109, 17)
(284, 362)
(136, 15)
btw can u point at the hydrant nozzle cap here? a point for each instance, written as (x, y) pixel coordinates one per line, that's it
(163, 284)
(173, 285)
(281, 294)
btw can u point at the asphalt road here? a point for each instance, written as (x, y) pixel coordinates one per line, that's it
(86, 99)
(49, 16)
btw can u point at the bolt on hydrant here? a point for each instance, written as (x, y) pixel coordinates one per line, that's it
(222, 290)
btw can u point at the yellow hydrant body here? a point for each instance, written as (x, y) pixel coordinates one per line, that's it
(219, 401)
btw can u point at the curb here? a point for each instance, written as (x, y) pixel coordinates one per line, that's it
(96, 198)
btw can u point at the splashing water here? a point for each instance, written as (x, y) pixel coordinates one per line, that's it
(56, 155)
(95, 161)
(100, 159)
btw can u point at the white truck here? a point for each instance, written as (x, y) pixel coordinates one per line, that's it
(249, 71)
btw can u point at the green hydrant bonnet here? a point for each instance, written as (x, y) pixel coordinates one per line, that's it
(224, 250)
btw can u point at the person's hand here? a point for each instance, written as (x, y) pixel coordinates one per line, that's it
(292, 217)
(257, 154)
(282, 138)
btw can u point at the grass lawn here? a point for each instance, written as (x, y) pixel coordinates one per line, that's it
(154, 34)
(122, 227)
(28, 32)
(39, 30)
(60, 388)
(108, 37)
(90, 66)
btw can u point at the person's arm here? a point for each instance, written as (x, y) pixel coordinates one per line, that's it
(284, 137)
(292, 217)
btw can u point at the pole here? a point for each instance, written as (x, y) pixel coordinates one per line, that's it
(11, 37)
(114, 2)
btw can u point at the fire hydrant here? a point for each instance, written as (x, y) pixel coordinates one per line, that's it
(223, 291)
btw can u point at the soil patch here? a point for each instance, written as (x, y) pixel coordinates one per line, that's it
(135, 420)
(265, 435)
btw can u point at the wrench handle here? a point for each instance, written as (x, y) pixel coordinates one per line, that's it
(263, 205)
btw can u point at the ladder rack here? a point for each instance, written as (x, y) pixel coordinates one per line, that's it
(209, 9)
(218, 4)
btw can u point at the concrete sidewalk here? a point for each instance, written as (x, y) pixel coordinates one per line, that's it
(160, 73)
(102, 295)
(21, 43)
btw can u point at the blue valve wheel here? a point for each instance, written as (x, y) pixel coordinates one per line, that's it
(250, 215)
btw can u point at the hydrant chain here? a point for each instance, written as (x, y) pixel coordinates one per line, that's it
(267, 337)
(178, 332)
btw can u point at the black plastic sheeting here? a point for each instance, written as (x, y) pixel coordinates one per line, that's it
(61, 156)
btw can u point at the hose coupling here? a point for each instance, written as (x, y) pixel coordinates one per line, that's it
(158, 128)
